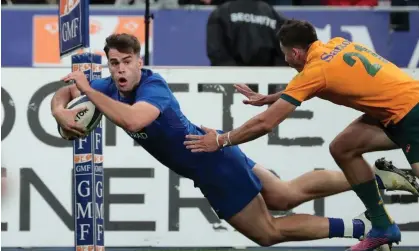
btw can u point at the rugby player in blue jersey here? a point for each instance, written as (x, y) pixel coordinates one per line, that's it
(239, 190)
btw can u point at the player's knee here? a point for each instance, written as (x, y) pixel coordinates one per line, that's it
(290, 204)
(280, 203)
(288, 197)
(338, 149)
(347, 145)
(269, 238)
(342, 150)
(282, 200)
(265, 241)
(274, 202)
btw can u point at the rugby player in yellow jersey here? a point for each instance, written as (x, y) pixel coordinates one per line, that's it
(349, 74)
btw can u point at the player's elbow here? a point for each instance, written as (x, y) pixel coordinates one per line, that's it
(132, 123)
(266, 128)
(133, 126)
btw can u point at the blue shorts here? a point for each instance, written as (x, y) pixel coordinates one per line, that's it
(228, 181)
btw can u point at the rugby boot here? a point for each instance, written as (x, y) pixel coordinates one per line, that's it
(393, 178)
(364, 218)
(378, 237)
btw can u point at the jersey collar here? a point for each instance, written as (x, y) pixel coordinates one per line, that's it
(311, 53)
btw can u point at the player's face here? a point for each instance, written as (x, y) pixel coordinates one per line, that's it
(294, 57)
(125, 69)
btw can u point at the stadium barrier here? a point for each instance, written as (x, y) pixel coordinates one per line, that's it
(145, 204)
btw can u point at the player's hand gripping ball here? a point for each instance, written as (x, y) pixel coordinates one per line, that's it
(79, 79)
(78, 119)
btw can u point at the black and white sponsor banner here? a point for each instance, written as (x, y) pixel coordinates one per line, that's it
(146, 204)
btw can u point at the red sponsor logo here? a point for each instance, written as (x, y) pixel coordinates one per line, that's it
(66, 6)
(86, 248)
(46, 41)
(82, 158)
(98, 158)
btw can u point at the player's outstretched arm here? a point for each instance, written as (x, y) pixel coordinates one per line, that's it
(272, 98)
(259, 125)
(254, 128)
(256, 99)
(303, 86)
(132, 118)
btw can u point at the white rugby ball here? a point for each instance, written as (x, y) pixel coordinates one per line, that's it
(88, 118)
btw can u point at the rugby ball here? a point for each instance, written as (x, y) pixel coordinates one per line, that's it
(88, 118)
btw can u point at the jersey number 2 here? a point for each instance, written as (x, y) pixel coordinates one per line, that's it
(371, 69)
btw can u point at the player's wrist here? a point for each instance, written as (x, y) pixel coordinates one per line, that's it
(87, 90)
(223, 140)
(272, 98)
(219, 141)
(268, 100)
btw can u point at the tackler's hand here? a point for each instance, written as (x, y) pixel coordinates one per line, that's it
(253, 98)
(79, 79)
(203, 143)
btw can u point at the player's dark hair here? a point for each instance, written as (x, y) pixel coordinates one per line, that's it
(123, 42)
(297, 34)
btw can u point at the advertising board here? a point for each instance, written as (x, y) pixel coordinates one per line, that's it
(146, 204)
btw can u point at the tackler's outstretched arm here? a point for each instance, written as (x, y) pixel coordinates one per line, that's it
(259, 125)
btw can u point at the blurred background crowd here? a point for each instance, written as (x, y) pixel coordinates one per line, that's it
(218, 2)
(234, 36)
